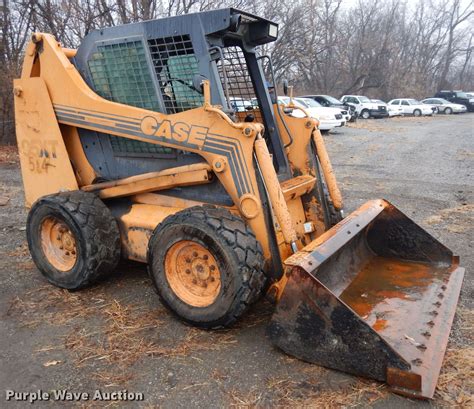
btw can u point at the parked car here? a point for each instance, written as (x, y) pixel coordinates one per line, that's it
(411, 106)
(328, 101)
(311, 103)
(392, 110)
(444, 106)
(458, 97)
(365, 108)
(240, 104)
(329, 118)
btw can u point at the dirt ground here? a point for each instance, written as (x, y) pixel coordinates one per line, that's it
(116, 335)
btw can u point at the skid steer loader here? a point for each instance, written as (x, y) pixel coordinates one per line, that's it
(162, 142)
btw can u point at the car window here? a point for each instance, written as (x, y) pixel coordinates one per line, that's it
(302, 101)
(321, 101)
(353, 100)
(364, 99)
(395, 102)
(405, 103)
(309, 102)
(332, 100)
(413, 102)
(461, 95)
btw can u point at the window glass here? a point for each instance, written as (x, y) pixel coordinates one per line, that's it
(181, 70)
(175, 66)
(309, 102)
(332, 100)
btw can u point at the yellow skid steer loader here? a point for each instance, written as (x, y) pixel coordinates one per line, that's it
(163, 142)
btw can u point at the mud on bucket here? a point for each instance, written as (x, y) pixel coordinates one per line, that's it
(374, 296)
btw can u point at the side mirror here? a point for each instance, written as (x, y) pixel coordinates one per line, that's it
(198, 82)
(285, 86)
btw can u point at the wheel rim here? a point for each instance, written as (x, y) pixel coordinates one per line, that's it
(193, 273)
(417, 113)
(365, 115)
(58, 244)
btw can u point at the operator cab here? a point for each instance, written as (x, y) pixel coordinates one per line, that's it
(159, 64)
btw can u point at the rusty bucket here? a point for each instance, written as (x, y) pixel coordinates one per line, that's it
(374, 296)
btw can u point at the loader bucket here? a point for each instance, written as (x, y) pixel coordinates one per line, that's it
(374, 296)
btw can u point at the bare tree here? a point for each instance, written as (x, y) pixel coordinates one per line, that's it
(384, 48)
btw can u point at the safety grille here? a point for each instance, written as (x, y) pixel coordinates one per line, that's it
(175, 66)
(120, 73)
(237, 83)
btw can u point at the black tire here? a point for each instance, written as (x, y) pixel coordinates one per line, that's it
(448, 111)
(365, 114)
(238, 255)
(416, 112)
(94, 229)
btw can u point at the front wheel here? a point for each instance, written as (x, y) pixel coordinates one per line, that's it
(206, 265)
(416, 112)
(448, 111)
(365, 114)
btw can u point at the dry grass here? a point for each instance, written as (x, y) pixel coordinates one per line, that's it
(119, 337)
(53, 305)
(457, 219)
(8, 154)
(369, 125)
(21, 251)
(283, 393)
(456, 381)
(118, 334)
(464, 154)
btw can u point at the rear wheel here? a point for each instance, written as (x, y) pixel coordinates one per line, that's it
(365, 114)
(73, 238)
(448, 111)
(206, 265)
(417, 112)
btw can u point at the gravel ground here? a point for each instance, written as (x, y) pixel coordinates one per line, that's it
(116, 335)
